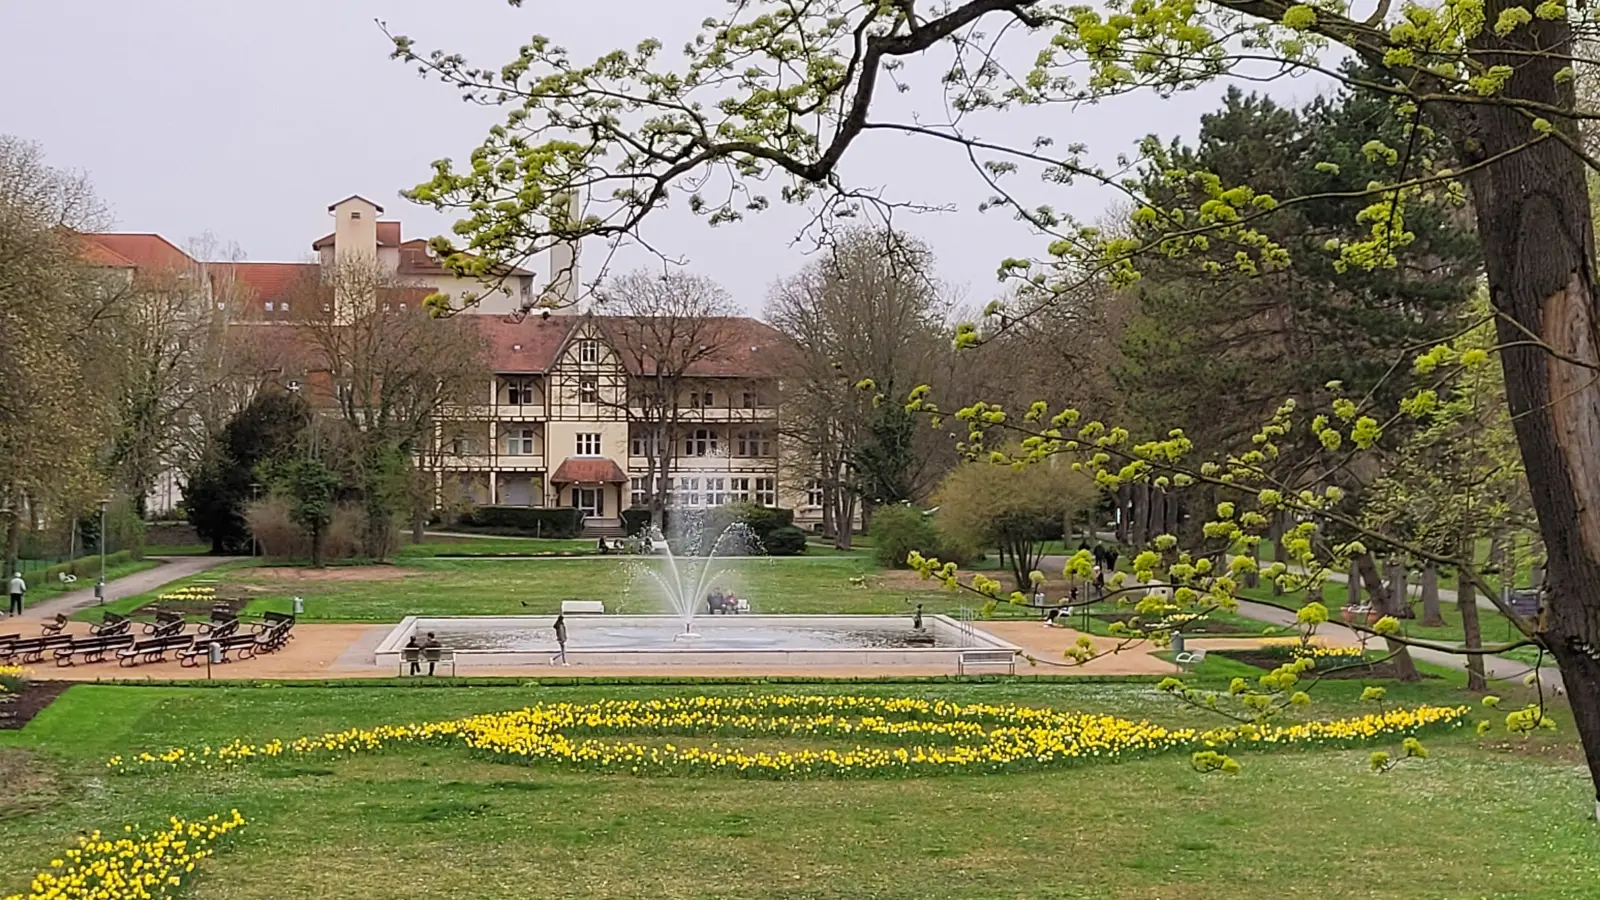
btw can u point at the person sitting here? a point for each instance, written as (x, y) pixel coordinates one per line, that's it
(413, 652)
(603, 547)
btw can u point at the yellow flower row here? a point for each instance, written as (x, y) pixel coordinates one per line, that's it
(1318, 652)
(890, 735)
(189, 593)
(136, 866)
(11, 678)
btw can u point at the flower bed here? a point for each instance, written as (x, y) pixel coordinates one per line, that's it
(886, 736)
(135, 866)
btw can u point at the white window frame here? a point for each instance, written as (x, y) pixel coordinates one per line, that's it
(588, 351)
(688, 492)
(588, 389)
(700, 442)
(520, 391)
(739, 490)
(752, 443)
(814, 493)
(766, 491)
(637, 493)
(520, 442)
(716, 492)
(587, 443)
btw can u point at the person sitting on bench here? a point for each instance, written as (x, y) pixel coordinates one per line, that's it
(413, 652)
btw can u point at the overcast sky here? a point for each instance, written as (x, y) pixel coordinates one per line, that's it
(246, 120)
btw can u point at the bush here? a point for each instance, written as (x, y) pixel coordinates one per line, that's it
(785, 541)
(898, 530)
(550, 522)
(762, 520)
(635, 520)
(281, 537)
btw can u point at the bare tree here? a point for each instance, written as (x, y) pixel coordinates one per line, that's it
(392, 371)
(53, 426)
(867, 311)
(663, 326)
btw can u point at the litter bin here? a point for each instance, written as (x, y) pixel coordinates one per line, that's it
(1177, 642)
(299, 606)
(214, 654)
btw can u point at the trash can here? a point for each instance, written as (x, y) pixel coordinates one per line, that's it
(214, 653)
(299, 606)
(1177, 642)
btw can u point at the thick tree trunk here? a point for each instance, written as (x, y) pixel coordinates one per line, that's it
(1157, 517)
(1124, 530)
(316, 548)
(1534, 221)
(419, 526)
(1352, 584)
(844, 520)
(1251, 578)
(13, 536)
(1431, 614)
(1138, 533)
(1379, 596)
(1171, 506)
(1472, 634)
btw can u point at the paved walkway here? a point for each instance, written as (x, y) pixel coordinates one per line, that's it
(172, 568)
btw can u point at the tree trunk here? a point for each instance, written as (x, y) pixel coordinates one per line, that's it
(419, 526)
(316, 547)
(1352, 584)
(1472, 634)
(1537, 231)
(13, 537)
(843, 520)
(1399, 601)
(1157, 516)
(1252, 578)
(1378, 595)
(1431, 615)
(1124, 523)
(1170, 504)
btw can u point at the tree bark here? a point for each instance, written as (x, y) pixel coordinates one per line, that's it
(1352, 584)
(1139, 533)
(1379, 596)
(1252, 578)
(1537, 231)
(1399, 601)
(1431, 614)
(1472, 634)
(1157, 516)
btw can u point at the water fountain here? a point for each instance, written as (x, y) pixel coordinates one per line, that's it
(685, 581)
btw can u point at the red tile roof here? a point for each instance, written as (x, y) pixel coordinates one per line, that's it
(574, 470)
(145, 251)
(98, 254)
(527, 347)
(739, 347)
(416, 260)
(388, 236)
(267, 280)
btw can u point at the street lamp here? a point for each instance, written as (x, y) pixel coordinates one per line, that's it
(255, 494)
(100, 589)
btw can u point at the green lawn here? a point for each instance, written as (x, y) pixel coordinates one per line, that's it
(503, 586)
(1471, 821)
(440, 545)
(42, 589)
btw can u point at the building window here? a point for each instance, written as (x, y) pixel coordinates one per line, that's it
(715, 493)
(688, 492)
(701, 399)
(588, 444)
(700, 442)
(752, 400)
(269, 306)
(638, 496)
(738, 490)
(589, 351)
(284, 306)
(355, 215)
(519, 442)
(519, 393)
(465, 445)
(814, 493)
(588, 390)
(643, 445)
(752, 444)
(766, 491)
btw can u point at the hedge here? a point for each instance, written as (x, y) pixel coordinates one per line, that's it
(550, 522)
(765, 521)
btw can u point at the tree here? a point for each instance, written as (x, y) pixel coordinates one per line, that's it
(1014, 509)
(312, 489)
(54, 398)
(664, 327)
(394, 371)
(865, 313)
(782, 91)
(262, 434)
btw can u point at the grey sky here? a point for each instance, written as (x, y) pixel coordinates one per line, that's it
(247, 120)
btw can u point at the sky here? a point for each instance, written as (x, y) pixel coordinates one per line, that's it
(246, 120)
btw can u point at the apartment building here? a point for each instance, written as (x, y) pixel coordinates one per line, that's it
(559, 423)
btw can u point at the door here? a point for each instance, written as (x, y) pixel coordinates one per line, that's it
(588, 500)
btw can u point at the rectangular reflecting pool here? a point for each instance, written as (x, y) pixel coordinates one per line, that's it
(661, 641)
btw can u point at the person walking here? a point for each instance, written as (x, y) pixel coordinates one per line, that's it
(18, 588)
(561, 640)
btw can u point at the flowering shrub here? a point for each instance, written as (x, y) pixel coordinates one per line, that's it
(137, 866)
(889, 736)
(12, 679)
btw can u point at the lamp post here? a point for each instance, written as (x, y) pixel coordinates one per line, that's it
(255, 494)
(100, 589)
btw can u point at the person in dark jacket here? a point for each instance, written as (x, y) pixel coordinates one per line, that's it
(561, 640)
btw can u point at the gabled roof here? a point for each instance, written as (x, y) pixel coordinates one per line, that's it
(742, 347)
(416, 259)
(335, 205)
(267, 280)
(388, 236)
(584, 470)
(143, 251)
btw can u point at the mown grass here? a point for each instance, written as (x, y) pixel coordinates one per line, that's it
(1470, 821)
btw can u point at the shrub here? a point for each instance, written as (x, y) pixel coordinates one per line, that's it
(785, 541)
(550, 522)
(635, 520)
(898, 530)
(282, 538)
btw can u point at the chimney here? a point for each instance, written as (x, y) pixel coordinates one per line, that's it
(564, 279)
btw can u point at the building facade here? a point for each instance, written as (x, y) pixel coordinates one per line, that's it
(560, 423)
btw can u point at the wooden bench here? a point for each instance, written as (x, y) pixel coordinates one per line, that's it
(153, 650)
(582, 607)
(431, 655)
(971, 658)
(163, 623)
(92, 649)
(243, 645)
(113, 624)
(32, 650)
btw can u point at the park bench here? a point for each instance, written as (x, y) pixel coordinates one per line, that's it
(54, 624)
(973, 658)
(430, 655)
(219, 628)
(163, 622)
(244, 645)
(582, 607)
(275, 637)
(270, 621)
(91, 649)
(32, 650)
(152, 650)
(110, 625)
(9, 638)
(1190, 659)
